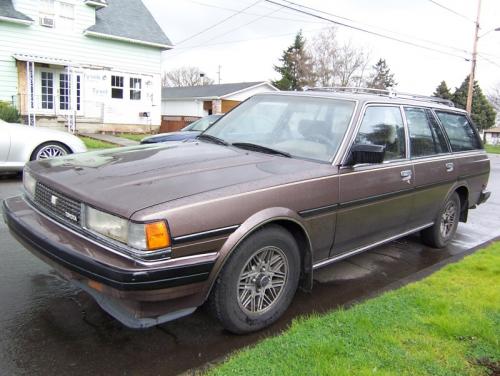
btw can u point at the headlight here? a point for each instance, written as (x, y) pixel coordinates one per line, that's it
(29, 183)
(141, 236)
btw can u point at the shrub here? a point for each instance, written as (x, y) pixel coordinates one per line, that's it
(8, 113)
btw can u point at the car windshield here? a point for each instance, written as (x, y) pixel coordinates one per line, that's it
(299, 126)
(201, 124)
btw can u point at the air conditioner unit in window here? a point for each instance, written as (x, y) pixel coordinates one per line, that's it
(47, 21)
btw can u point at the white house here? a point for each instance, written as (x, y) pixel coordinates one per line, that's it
(199, 101)
(93, 65)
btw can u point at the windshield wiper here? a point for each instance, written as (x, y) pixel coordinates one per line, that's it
(264, 149)
(215, 140)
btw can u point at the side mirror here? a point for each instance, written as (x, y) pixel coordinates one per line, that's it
(366, 153)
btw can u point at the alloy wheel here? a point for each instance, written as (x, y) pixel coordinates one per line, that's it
(262, 280)
(50, 151)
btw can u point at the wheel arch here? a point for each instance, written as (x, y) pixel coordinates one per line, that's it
(463, 194)
(286, 218)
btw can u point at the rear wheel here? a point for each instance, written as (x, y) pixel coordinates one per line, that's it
(445, 226)
(258, 282)
(49, 150)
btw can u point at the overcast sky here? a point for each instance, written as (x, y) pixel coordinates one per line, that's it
(249, 44)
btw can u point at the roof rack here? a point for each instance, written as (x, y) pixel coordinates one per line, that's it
(382, 92)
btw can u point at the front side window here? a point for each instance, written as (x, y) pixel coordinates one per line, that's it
(310, 128)
(117, 87)
(460, 132)
(63, 91)
(383, 125)
(426, 137)
(135, 88)
(47, 87)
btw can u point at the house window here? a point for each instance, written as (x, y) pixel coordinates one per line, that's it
(47, 90)
(63, 91)
(117, 87)
(66, 15)
(47, 7)
(78, 92)
(135, 88)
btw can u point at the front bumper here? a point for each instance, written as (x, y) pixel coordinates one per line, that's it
(123, 287)
(483, 197)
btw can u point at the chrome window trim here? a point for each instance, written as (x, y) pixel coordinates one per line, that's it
(469, 121)
(358, 125)
(438, 124)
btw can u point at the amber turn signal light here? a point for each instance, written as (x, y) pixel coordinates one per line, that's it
(157, 235)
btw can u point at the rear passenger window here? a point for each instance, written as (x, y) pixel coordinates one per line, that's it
(383, 125)
(460, 132)
(426, 137)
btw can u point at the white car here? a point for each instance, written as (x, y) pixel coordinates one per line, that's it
(20, 144)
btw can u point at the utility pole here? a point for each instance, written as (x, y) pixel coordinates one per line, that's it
(474, 60)
(218, 73)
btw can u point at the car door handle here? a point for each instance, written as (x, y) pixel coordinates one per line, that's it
(406, 175)
(449, 167)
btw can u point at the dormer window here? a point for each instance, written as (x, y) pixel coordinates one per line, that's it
(47, 7)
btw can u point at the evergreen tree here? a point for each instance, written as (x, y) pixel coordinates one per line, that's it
(296, 68)
(442, 91)
(382, 78)
(483, 114)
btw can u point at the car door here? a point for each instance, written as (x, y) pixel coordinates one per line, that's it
(375, 199)
(5, 140)
(433, 164)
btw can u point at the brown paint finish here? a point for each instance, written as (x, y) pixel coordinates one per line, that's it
(214, 196)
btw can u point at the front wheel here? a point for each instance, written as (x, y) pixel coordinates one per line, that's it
(258, 282)
(445, 226)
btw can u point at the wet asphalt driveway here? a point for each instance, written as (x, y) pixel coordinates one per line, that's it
(47, 326)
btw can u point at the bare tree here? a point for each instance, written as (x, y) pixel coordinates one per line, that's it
(336, 64)
(324, 51)
(185, 76)
(494, 98)
(351, 64)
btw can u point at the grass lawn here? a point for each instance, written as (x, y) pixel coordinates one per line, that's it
(91, 144)
(132, 136)
(492, 149)
(446, 324)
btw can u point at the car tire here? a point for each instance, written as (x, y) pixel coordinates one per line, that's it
(258, 282)
(49, 150)
(445, 225)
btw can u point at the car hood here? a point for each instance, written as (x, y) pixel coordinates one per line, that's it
(125, 180)
(171, 136)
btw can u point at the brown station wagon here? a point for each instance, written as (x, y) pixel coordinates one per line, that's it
(282, 185)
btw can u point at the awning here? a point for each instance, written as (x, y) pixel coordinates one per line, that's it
(43, 59)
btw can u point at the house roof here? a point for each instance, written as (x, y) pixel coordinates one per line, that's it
(128, 20)
(8, 12)
(493, 130)
(208, 91)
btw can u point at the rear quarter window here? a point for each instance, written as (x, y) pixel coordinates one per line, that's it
(460, 132)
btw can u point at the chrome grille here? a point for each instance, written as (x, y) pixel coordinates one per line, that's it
(57, 204)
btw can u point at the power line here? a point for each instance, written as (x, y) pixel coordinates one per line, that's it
(379, 28)
(488, 60)
(218, 23)
(255, 14)
(452, 11)
(245, 40)
(367, 31)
